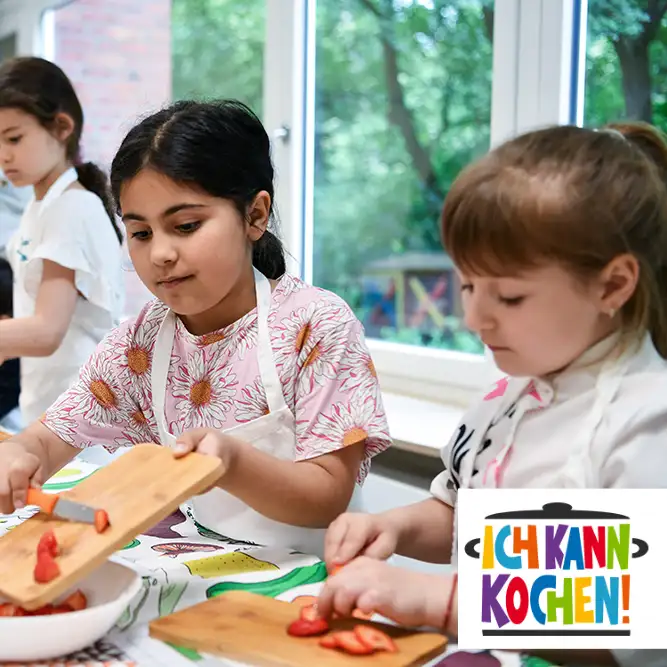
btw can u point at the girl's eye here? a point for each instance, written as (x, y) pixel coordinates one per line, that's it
(511, 301)
(14, 140)
(466, 287)
(189, 227)
(140, 236)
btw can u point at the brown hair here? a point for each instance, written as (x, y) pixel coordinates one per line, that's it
(574, 196)
(41, 89)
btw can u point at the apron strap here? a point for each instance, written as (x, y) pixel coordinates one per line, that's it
(265, 360)
(159, 372)
(58, 187)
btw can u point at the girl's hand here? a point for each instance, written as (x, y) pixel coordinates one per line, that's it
(210, 442)
(408, 598)
(358, 534)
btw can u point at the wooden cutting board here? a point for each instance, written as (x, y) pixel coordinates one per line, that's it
(137, 490)
(4, 436)
(252, 628)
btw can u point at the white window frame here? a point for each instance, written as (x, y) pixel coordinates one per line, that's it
(532, 86)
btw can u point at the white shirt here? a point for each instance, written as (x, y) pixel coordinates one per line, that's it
(71, 229)
(12, 202)
(547, 443)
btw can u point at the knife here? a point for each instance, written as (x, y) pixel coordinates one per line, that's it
(52, 503)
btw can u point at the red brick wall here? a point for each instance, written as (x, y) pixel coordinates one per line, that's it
(118, 55)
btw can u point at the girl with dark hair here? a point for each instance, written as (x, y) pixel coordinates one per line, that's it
(66, 254)
(235, 358)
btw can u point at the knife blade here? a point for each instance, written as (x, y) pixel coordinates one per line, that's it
(54, 504)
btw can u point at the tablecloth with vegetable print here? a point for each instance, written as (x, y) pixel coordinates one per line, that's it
(182, 563)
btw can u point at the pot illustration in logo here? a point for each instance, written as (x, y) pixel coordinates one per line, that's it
(558, 512)
(555, 571)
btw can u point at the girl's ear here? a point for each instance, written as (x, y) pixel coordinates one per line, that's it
(63, 127)
(618, 281)
(257, 217)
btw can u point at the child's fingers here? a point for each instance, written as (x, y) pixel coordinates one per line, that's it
(19, 481)
(381, 548)
(333, 539)
(353, 542)
(189, 441)
(325, 600)
(345, 599)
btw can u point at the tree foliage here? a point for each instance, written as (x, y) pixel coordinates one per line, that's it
(402, 104)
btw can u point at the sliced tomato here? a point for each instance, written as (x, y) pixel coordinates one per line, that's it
(46, 568)
(375, 639)
(61, 609)
(357, 613)
(310, 613)
(335, 570)
(9, 609)
(101, 521)
(328, 641)
(76, 601)
(48, 543)
(348, 641)
(303, 628)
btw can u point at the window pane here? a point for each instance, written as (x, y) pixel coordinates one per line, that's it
(402, 104)
(127, 58)
(218, 49)
(626, 62)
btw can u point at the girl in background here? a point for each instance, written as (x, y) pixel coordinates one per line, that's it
(66, 254)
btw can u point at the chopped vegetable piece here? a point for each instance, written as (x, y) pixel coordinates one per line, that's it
(46, 568)
(101, 521)
(48, 543)
(328, 641)
(310, 613)
(350, 643)
(375, 639)
(9, 609)
(76, 601)
(304, 628)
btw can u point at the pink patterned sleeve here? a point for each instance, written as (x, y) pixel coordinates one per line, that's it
(102, 407)
(337, 395)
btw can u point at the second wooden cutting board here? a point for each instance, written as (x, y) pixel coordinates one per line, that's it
(253, 629)
(137, 490)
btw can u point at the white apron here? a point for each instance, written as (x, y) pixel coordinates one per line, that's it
(578, 474)
(274, 433)
(44, 379)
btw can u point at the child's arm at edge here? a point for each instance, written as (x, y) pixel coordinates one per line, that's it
(425, 530)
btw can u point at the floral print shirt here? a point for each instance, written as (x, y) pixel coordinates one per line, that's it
(327, 375)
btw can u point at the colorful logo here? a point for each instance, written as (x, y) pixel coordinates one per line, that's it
(556, 571)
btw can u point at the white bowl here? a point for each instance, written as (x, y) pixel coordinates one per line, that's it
(109, 589)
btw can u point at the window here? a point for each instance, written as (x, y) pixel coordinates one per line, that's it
(626, 62)
(373, 107)
(402, 104)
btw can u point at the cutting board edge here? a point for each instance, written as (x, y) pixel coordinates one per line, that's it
(156, 631)
(53, 590)
(158, 634)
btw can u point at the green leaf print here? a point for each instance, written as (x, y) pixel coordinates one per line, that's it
(532, 661)
(134, 543)
(300, 576)
(188, 653)
(212, 535)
